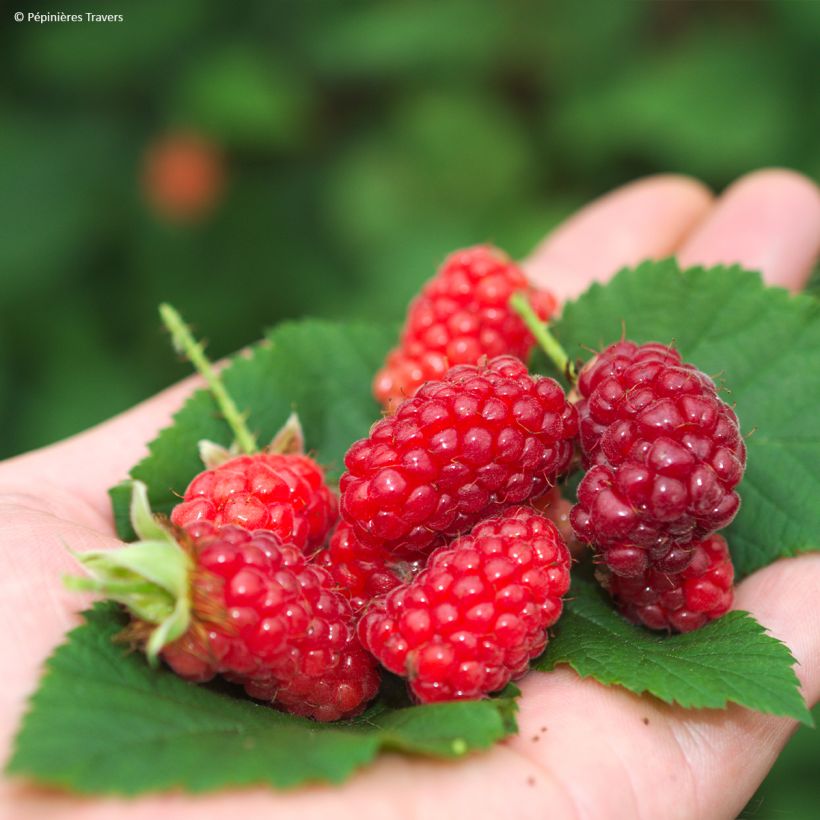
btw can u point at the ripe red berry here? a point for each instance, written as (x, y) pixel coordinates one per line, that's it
(361, 571)
(482, 438)
(679, 602)
(461, 314)
(665, 452)
(284, 493)
(475, 617)
(273, 624)
(244, 606)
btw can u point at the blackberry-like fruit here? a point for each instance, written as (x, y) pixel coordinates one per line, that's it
(461, 314)
(475, 617)
(227, 601)
(482, 438)
(665, 455)
(285, 493)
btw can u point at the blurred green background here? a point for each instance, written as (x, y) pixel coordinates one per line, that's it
(256, 162)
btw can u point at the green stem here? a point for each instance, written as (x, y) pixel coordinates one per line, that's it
(187, 345)
(548, 343)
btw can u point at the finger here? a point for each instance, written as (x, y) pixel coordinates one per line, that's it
(84, 466)
(767, 221)
(709, 762)
(642, 220)
(783, 597)
(394, 788)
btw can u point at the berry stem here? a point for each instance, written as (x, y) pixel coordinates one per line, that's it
(188, 346)
(548, 343)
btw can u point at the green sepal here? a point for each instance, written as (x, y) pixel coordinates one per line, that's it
(151, 577)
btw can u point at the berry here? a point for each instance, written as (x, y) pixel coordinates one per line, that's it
(461, 314)
(274, 625)
(278, 489)
(679, 602)
(361, 571)
(245, 607)
(183, 177)
(283, 493)
(475, 617)
(665, 455)
(482, 438)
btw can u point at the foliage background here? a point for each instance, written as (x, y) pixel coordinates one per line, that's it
(360, 141)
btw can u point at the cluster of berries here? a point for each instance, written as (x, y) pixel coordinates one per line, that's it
(444, 567)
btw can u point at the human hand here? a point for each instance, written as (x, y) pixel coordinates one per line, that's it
(604, 752)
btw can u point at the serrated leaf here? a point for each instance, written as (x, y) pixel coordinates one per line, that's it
(763, 345)
(103, 721)
(320, 369)
(731, 659)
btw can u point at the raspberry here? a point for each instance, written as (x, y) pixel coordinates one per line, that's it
(461, 314)
(483, 438)
(679, 602)
(361, 571)
(666, 455)
(284, 493)
(472, 620)
(249, 609)
(278, 488)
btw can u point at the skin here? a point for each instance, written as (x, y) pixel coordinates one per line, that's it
(604, 752)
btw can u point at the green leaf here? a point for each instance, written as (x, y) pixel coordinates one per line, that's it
(731, 659)
(322, 370)
(103, 721)
(763, 346)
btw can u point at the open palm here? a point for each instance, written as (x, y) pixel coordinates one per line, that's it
(584, 750)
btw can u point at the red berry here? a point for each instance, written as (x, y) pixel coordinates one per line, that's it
(227, 601)
(266, 619)
(183, 176)
(460, 315)
(361, 571)
(483, 438)
(284, 493)
(679, 602)
(474, 618)
(665, 452)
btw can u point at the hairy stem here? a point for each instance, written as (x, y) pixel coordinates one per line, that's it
(187, 345)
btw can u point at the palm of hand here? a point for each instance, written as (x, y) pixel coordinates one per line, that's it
(583, 749)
